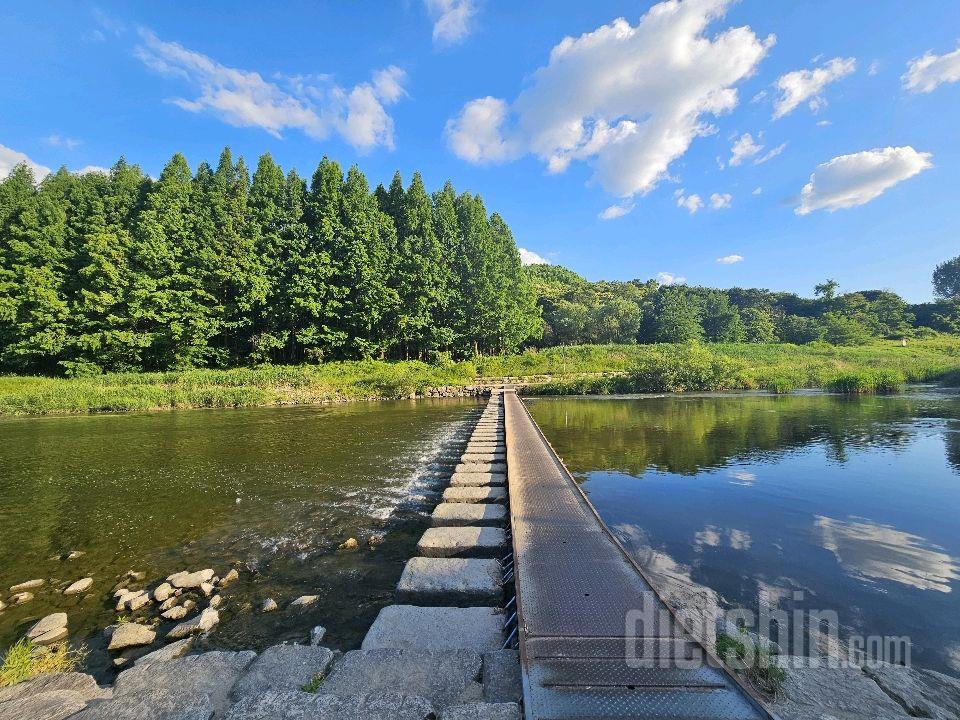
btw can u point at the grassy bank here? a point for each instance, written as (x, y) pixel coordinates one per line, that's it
(592, 369)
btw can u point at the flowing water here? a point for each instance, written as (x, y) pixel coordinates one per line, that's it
(271, 491)
(810, 501)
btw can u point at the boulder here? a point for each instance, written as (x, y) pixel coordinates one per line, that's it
(298, 705)
(440, 676)
(283, 667)
(133, 600)
(269, 605)
(163, 592)
(28, 585)
(204, 622)
(49, 697)
(167, 604)
(482, 711)
(302, 602)
(168, 652)
(206, 588)
(51, 623)
(195, 687)
(131, 635)
(186, 579)
(177, 612)
(20, 598)
(924, 693)
(80, 586)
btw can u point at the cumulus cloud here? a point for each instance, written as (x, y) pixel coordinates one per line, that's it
(452, 19)
(312, 104)
(743, 148)
(64, 142)
(730, 259)
(757, 191)
(769, 155)
(528, 257)
(720, 201)
(10, 158)
(615, 211)
(924, 74)
(628, 99)
(806, 86)
(851, 180)
(691, 203)
(87, 169)
(665, 278)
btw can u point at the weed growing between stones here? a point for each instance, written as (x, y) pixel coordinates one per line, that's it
(24, 659)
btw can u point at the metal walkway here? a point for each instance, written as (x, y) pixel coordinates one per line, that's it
(596, 641)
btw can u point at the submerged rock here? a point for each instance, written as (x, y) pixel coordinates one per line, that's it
(74, 554)
(349, 544)
(304, 601)
(79, 586)
(317, 635)
(269, 605)
(131, 635)
(28, 585)
(229, 578)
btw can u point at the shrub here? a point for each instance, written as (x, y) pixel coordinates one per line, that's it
(681, 368)
(868, 381)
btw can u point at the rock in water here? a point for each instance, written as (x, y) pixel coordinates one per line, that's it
(28, 585)
(162, 592)
(304, 601)
(216, 601)
(167, 604)
(131, 635)
(50, 623)
(74, 554)
(206, 588)
(2, 605)
(349, 544)
(21, 598)
(178, 612)
(204, 622)
(168, 652)
(186, 579)
(79, 586)
(316, 635)
(269, 605)
(229, 578)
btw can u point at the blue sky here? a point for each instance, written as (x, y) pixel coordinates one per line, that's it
(852, 109)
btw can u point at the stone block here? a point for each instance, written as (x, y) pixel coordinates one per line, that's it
(466, 542)
(450, 581)
(436, 628)
(475, 495)
(459, 514)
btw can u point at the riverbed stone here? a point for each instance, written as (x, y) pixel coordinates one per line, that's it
(49, 697)
(462, 542)
(478, 480)
(206, 588)
(20, 598)
(303, 602)
(440, 676)
(283, 667)
(80, 586)
(481, 711)
(924, 693)
(167, 652)
(195, 687)
(163, 592)
(436, 628)
(204, 622)
(229, 577)
(48, 624)
(481, 494)
(814, 690)
(186, 580)
(450, 581)
(299, 705)
(459, 514)
(28, 585)
(131, 635)
(501, 676)
(3, 605)
(269, 605)
(177, 612)
(216, 601)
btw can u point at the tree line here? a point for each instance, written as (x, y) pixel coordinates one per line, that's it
(577, 312)
(120, 272)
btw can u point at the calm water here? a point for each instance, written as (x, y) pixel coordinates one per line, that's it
(273, 491)
(811, 501)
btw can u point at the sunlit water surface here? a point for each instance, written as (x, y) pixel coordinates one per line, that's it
(271, 491)
(812, 501)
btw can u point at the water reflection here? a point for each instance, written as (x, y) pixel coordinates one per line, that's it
(871, 550)
(713, 536)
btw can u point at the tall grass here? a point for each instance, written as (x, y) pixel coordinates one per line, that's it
(24, 659)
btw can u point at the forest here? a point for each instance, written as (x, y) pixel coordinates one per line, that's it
(118, 272)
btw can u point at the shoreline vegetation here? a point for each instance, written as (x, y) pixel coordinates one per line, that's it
(881, 366)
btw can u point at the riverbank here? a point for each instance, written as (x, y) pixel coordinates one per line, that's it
(584, 369)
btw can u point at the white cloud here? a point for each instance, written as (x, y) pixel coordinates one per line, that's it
(851, 180)
(770, 154)
(720, 201)
(58, 141)
(615, 211)
(628, 99)
(451, 19)
(10, 158)
(312, 104)
(806, 86)
(528, 257)
(692, 203)
(757, 191)
(93, 169)
(730, 259)
(924, 74)
(744, 147)
(665, 278)
(824, 123)
(874, 68)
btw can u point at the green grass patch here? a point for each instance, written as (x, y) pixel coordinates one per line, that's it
(753, 663)
(24, 659)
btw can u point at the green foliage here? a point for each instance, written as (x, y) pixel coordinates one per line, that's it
(754, 663)
(879, 380)
(680, 368)
(24, 659)
(946, 279)
(839, 329)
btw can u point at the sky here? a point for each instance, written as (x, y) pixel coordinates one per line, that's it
(712, 142)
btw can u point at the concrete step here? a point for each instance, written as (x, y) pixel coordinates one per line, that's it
(450, 581)
(460, 514)
(483, 457)
(478, 480)
(465, 542)
(480, 467)
(478, 494)
(437, 628)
